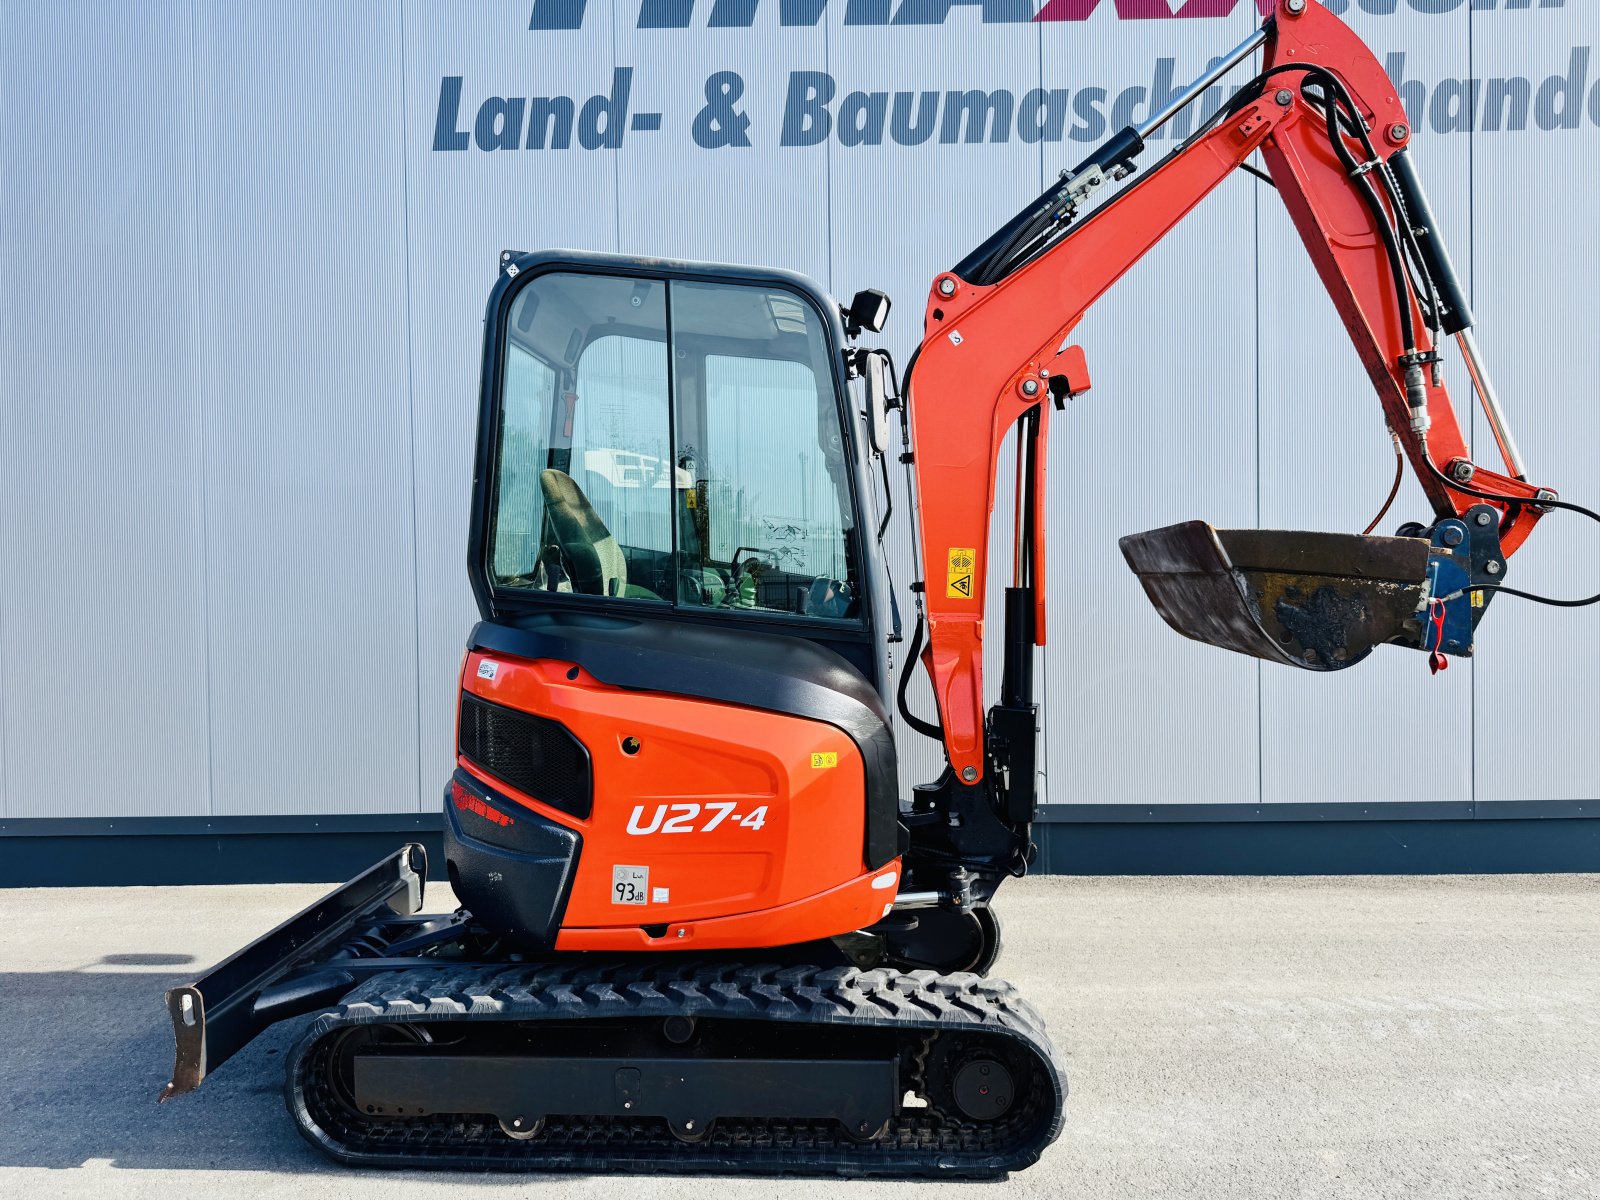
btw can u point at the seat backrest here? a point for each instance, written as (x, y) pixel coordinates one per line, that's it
(593, 555)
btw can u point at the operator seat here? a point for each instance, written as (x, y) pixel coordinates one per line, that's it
(593, 555)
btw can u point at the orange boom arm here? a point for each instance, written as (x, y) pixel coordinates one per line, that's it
(995, 352)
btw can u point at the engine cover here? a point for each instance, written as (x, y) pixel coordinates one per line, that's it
(679, 821)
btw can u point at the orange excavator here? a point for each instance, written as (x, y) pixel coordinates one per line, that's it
(701, 928)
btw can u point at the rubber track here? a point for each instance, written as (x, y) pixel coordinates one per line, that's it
(920, 1141)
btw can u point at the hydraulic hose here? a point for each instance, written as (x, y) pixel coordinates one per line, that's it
(1546, 502)
(913, 658)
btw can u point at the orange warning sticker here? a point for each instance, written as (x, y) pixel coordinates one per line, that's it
(958, 574)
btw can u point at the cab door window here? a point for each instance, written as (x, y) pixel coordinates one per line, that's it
(583, 498)
(771, 523)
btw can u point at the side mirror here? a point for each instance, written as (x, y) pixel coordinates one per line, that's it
(877, 389)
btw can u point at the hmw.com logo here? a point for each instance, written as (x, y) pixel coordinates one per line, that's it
(741, 14)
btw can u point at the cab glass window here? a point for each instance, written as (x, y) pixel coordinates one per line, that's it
(673, 443)
(583, 487)
(770, 520)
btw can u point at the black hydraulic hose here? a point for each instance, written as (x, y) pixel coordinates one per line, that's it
(987, 266)
(903, 391)
(1398, 266)
(1546, 502)
(1518, 501)
(994, 269)
(1024, 243)
(1028, 236)
(1023, 230)
(1394, 488)
(902, 387)
(1549, 601)
(913, 658)
(1363, 186)
(1335, 95)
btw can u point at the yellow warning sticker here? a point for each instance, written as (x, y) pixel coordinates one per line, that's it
(819, 761)
(1477, 599)
(958, 576)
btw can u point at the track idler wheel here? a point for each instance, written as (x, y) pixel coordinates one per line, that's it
(691, 1130)
(341, 1064)
(520, 1129)
(864, 1133)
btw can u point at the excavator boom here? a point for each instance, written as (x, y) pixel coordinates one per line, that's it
(996, 356)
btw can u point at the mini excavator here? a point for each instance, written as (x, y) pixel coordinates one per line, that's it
(701, 930)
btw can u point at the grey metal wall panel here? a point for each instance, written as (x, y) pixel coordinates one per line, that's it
(900, 213)
(308, 472)
(1164, 436)
(265, 453)
(1327, 463)
(1537, 250)
(465, 207)
(102, 635)
(751, 199)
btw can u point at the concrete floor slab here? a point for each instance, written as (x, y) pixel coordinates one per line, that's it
(1417, 1038)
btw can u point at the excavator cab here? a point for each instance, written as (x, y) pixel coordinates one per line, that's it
(672, 720)
(671, 445)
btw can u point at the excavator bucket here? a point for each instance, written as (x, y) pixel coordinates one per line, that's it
(1320, 601)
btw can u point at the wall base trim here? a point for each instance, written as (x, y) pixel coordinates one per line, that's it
(1089, 839)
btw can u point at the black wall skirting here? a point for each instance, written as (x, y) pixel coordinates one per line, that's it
(1087, 839)
(86, 852)
(1501, 845)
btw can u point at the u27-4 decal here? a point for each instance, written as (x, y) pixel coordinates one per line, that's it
(693, 818)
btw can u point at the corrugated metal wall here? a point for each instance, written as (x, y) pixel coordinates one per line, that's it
(240, 312)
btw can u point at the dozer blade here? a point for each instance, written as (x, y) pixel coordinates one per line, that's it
(1319, 601)
(274, 977)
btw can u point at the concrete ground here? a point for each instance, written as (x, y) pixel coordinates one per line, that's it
(1223, 1037)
